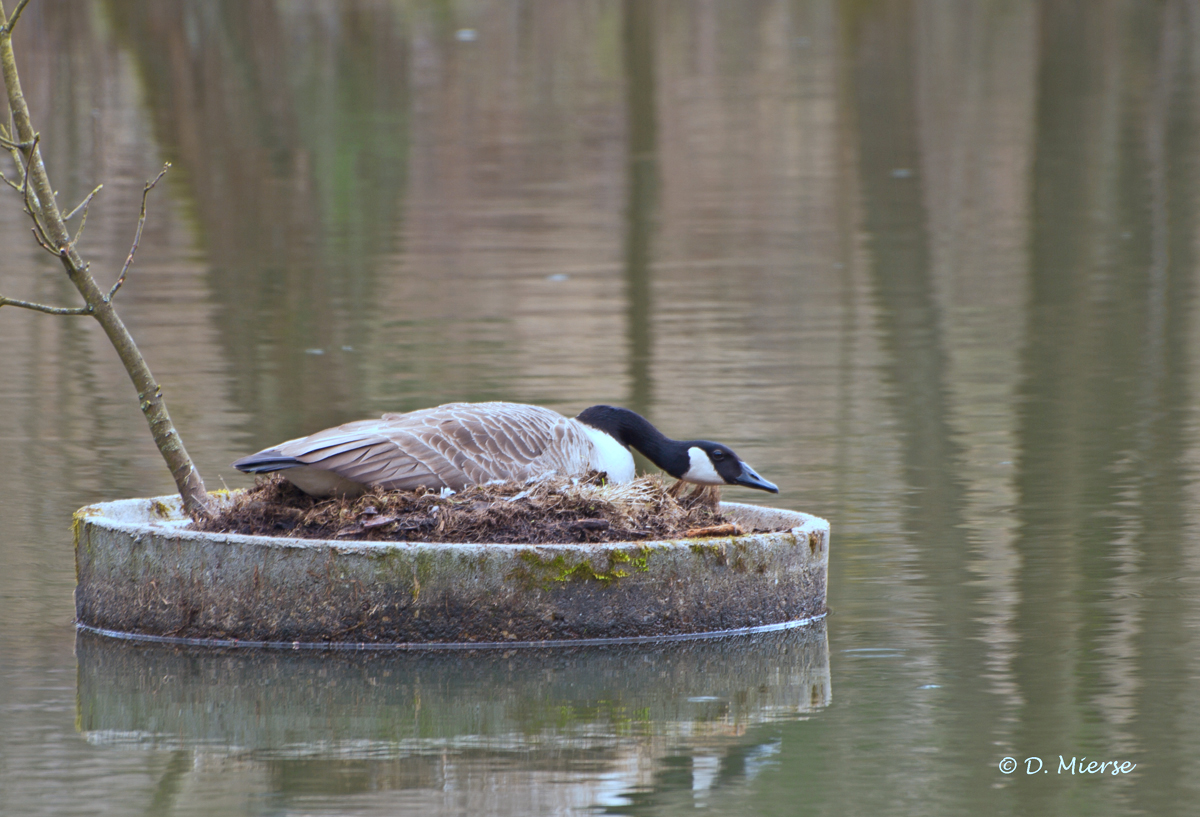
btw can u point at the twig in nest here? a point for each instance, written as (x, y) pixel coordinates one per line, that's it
(589, 525)
(728, 529)
(137, 236)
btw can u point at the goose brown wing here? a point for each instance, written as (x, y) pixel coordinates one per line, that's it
(453, 446)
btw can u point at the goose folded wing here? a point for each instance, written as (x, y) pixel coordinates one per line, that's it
(482, 446)
(360, 453)
(501, 441)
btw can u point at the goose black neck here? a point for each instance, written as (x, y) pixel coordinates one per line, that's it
(632, 429)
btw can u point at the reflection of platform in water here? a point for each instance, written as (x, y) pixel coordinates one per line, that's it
(525, 731)
(565, 725)
(301, 703)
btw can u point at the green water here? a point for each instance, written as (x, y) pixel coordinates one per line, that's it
(929, 266)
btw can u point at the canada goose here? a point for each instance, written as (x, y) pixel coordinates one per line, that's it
(461, 444)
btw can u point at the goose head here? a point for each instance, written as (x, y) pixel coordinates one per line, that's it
(702, 462)
(711, 463)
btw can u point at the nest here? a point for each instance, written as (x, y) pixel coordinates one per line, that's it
(548, 511)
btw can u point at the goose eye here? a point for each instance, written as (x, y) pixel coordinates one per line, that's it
(718, 454)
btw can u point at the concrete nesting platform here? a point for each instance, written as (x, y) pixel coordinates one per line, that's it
(142, 572)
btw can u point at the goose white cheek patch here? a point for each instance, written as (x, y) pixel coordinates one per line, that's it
(701, 470)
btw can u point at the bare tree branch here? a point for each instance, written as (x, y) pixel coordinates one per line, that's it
(12, 21)
(51, 233)
(137, 236)
(49, 310)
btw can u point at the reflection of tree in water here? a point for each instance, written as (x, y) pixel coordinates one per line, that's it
(296, 160)
(1105, 395)
(885, 94)
(642, 197)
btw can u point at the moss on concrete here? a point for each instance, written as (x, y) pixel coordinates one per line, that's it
(544, 572)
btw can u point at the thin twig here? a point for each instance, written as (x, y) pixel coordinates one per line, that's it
(44, 245)
(39, 231)
(12, 21)
(83, 219)
(6, 141)
(15, 149)
(83, 205)
(137, 236)
(26, 161)
(49, 310)
(12, 147)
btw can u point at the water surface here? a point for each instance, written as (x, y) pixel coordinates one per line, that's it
(930, 267)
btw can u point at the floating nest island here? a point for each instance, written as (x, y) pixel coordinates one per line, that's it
(573, 561)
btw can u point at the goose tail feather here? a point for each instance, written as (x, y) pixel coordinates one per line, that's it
(264, 462)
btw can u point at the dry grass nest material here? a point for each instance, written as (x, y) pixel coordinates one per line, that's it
(544, 512)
